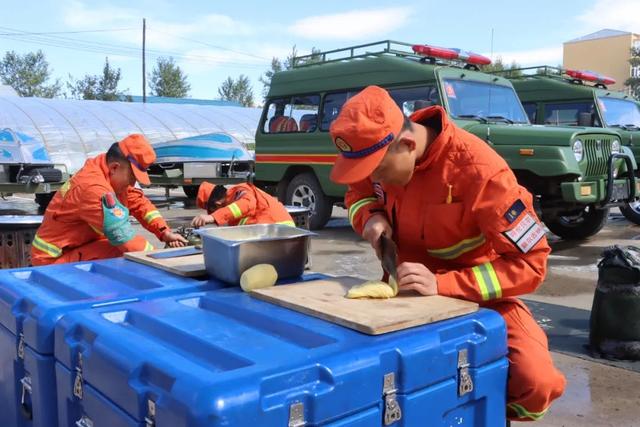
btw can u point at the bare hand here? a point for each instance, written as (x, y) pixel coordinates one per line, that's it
(202, 219)
(174, 240)
(415, 276)
(373, 229)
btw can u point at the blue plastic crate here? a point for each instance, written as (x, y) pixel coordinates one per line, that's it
(223, 358)
(31, 302)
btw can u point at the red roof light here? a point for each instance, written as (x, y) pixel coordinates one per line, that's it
(590, 76)
(451, 54)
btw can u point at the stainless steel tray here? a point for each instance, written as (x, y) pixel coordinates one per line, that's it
(229, 251)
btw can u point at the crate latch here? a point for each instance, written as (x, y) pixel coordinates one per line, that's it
(78, 382)
(21, 346)
(25, 406)
(465, 383)
(150, 419)
(392, 411)
(296, 415)
(84, 422)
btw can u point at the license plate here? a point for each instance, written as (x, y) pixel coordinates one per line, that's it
(620, 191)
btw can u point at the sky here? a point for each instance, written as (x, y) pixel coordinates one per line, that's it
(212, 39)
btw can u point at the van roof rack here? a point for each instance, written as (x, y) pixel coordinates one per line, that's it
(381, 48)
(571, 75)
(541, 70)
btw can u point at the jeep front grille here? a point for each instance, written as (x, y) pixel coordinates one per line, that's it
(597, 152)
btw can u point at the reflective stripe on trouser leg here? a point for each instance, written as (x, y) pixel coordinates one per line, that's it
(521, 412)
(46, 247)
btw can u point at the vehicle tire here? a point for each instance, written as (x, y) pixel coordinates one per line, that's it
(43, 199)
(581, 226)
(191, 191)
(304, 190)
(631, 211)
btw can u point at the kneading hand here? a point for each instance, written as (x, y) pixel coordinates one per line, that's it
(202, 219)
(174, 240)
(417, 277)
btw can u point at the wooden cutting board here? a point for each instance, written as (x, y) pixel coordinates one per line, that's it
(326, 299)
(187, 266)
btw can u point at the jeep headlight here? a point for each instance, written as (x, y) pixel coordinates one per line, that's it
(615, 147)
(578, 150)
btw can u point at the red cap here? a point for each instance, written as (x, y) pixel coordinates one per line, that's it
(366, 125)
(204, 192)
(140, 154)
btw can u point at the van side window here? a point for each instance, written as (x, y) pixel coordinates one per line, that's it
(291, 115)
(531, 108)
(567, 114)
(331, 107)
(305, 110)
(415, 98)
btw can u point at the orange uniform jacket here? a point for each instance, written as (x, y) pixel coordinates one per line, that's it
(75, 218)
(463, 215)
(246, 204)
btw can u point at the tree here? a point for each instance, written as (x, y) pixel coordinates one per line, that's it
(167, 79)
(633, 82)
(500, 67)
(28, 74)
(101, 87)
(278, 65)
(237, 90)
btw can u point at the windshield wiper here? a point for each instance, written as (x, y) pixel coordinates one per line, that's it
(625, 127)
(473, 116)
(500, 118)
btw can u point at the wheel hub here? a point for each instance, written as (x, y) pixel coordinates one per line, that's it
(303, 196)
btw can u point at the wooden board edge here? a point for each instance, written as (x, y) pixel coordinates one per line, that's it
(469, 308)
(417, 322)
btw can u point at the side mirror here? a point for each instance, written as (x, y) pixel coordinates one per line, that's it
(585, 119)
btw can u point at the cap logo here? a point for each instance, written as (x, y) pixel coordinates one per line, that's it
(343, 145)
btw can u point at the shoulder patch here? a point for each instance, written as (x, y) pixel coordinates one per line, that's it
(526, 233)
(514, 211)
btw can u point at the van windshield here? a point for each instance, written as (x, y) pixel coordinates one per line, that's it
(483, 101)
(620, 112)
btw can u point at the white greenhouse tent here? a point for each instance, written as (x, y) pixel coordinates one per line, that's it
(74, 130)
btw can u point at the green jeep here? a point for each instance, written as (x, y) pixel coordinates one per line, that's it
(565, 168)
(552, 97)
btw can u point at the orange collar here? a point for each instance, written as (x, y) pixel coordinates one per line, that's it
(438, 145)
(102, 162)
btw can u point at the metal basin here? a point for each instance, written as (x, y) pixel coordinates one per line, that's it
(229, 251)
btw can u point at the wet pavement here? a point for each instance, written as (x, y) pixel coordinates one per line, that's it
(597, 393)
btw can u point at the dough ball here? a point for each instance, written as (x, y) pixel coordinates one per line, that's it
(258, 277)
(372, 289)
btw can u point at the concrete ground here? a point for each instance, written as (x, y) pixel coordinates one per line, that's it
(597, 393)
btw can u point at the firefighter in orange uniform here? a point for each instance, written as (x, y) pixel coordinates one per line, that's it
(88, 218)
(241, 204)
(463, 226)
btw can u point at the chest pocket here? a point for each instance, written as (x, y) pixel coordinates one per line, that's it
(447, 233)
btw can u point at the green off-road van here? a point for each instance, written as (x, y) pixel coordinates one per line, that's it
(559, 97)
(569, 170)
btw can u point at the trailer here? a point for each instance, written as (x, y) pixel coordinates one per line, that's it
(26, 167)
(74, 130)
